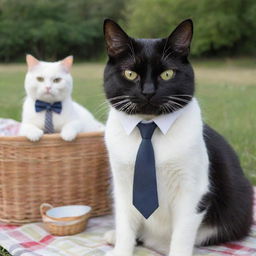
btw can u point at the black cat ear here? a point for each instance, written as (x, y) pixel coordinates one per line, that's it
(116, 39)
(181, 37)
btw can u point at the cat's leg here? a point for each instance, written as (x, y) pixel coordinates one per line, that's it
(124, 236)
(110, 237)
(32, 132)
(186, 222)
(127, 220)
(70, 130)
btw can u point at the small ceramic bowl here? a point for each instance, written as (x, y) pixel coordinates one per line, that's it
(65, 220)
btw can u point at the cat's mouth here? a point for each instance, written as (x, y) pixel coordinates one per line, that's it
(47, 93)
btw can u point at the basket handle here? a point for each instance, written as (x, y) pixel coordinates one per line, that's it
(44, 208)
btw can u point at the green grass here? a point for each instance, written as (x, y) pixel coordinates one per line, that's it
(226, 90)
(4, 252)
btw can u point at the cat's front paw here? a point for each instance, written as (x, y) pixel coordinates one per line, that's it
(110, 237)
(68, 134)
(33, 134)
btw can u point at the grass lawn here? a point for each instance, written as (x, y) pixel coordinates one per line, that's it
(226, 90)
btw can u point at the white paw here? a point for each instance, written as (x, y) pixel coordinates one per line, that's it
(68, 134)
(34, 134)
(110, 237)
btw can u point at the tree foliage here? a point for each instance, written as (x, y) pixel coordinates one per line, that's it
(53, 29)
(221, 26)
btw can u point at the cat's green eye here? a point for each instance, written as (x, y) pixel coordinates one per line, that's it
(130, 75)
(57, 80)
(40, 79)
(167, 74)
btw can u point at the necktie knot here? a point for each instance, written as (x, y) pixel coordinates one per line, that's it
(146, 129)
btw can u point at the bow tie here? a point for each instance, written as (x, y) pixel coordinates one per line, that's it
(42, 105)
(49, 108)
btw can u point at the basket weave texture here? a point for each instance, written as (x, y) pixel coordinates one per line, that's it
(52, 171)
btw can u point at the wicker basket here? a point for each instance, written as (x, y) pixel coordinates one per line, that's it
(52, 171)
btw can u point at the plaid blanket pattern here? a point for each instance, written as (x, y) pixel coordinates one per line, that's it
(9, 127)
(34, 240)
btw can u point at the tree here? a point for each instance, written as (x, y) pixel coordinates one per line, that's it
(220, 25)
(53, 29)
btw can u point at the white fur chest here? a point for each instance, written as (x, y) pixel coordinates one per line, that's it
(181, 164)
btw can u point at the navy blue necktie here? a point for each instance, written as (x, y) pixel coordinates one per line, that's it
(49, 108)
(145, 197)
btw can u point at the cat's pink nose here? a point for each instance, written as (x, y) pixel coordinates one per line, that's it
(48, 88)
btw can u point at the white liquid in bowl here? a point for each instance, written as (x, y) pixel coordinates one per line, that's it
(68, 211)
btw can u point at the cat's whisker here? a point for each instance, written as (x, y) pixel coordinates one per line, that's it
(128, 109)
(162, 108)
(120, 102)
(101, 112)
(131, 108)
(104, 103)
(170, 107)
(166, 108)
(134, 108)
(125, 106)
(177, 98)
(103, 108)
(175, 103)
(119, 97)
(187, 95)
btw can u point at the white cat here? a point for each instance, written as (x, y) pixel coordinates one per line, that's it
(51, 82)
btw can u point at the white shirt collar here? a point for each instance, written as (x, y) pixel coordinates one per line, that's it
(164, 122)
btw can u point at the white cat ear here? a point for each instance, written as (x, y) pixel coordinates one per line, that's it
(67, 63)
(31, 61)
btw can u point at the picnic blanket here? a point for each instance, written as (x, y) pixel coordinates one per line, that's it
(9, 127)
(34, 240)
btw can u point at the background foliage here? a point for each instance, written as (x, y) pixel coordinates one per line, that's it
(53, 29)
(222, 27)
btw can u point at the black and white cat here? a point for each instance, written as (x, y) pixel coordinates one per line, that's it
(204, 197)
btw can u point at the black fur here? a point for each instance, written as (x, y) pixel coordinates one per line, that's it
(228, 206)
(149, 58)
